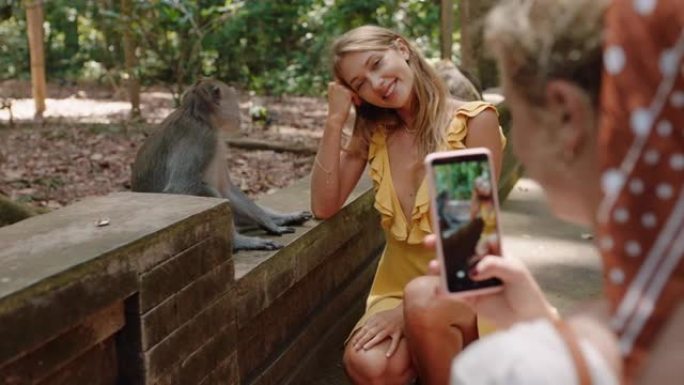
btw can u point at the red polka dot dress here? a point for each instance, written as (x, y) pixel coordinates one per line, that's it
(641, 218)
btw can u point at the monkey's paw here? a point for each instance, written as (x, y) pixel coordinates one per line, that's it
(295, 218)
(243, 242)
(280, 230)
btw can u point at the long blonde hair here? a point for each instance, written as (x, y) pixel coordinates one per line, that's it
(539, 40)
(430, 94)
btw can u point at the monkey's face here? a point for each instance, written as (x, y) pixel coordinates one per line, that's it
(227, 117)
(382, 78)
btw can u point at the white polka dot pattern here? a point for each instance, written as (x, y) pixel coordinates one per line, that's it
(677, 99)
(621, 215)
(633, 249)
(651, 157)
(677, 162)
(643, 143)
(668, 63)
(616, 276)
(636, 186)
(606, 243)
(641, 121)
(644, 7)
(664, 128)
(649, 220)
(614, 59)
(664, 191)
(612, 181)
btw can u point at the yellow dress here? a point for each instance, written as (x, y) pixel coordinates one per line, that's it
(404, 257)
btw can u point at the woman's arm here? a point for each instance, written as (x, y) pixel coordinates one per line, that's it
(590, 322)
(335, 172)
(665, 363)
(483, 131)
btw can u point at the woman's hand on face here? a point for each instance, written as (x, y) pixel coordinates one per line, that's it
(520, 299)
(378, 327)
(340, 99)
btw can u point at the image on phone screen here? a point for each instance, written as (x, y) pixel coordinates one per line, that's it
(467, 218)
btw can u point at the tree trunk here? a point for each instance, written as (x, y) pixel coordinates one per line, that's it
(446, 29)
(34, 18)
(131, 61)
(473, 52)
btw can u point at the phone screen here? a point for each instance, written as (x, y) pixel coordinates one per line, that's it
(467, 215)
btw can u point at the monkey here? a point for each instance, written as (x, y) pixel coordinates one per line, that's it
(461, 84)
(186, 156)
(444, 220)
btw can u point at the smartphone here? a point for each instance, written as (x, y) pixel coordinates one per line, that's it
(465, 216)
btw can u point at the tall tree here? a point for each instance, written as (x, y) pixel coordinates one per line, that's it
(130, 58)
(446, 29)
(474, 60)
(34, 18)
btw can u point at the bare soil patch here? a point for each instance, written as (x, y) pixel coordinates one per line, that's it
(86, 144)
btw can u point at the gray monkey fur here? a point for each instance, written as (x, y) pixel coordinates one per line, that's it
(185, 156)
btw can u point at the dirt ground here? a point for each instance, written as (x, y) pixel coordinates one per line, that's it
(86, 143)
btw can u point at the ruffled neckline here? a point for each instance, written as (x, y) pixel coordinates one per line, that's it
(410, 230)
(387, 203)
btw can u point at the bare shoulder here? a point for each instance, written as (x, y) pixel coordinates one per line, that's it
(483, 131)
(487, 119)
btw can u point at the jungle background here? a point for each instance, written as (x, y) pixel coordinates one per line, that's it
(274, 52)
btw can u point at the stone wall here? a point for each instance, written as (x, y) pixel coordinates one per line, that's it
(145, 299)
(155, 296)
(290, 304)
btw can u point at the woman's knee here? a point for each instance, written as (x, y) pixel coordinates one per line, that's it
(420, 299)
(373, 367)
(423, 308)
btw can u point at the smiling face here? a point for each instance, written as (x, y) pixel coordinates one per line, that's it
(380, 77)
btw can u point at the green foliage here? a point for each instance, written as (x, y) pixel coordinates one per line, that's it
(13, 42)
(458, 178)
(271, 47)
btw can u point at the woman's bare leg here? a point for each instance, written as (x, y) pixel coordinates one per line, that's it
(372, 367)
(437, 329)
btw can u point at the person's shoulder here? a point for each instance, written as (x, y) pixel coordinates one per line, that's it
(473, 108)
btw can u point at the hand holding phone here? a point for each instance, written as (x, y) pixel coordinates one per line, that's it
(465, 216)
(520, 298)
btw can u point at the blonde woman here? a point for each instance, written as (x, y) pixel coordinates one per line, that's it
(403, 112)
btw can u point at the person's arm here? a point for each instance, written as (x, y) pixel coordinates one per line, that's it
(335, 172)
(664, 364)
(483, 131)
(590, 322)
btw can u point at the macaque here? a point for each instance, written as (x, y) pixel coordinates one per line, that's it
(460, 83)
(186, 156)
(446, 222)
(460, 245)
